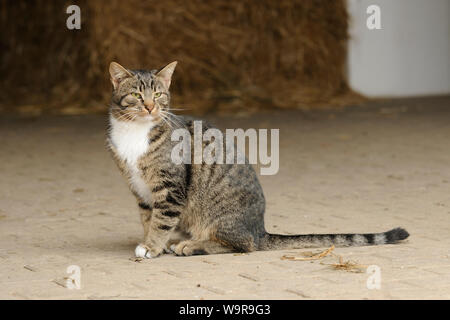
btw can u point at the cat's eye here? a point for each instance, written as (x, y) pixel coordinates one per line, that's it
(136, 95)
(157, 94)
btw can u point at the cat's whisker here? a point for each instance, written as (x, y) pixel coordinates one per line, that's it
(125, 117)
(174, 118)
(165, 120)
(179, 109)
(129, 116)
(171, 120)
(134, 117)
(122, 117)
(162, 118)
(169, 113)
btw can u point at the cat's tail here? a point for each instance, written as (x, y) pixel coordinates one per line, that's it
(278, 241)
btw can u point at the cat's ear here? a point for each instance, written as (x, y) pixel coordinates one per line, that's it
(118, 74)
(165, 74)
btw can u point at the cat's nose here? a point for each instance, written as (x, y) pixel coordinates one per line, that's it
(149, 105)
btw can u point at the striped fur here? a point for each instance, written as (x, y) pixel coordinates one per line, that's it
(275, 241)
(198, 208)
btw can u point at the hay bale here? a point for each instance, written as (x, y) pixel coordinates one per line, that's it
(233, 55)
(39, 56)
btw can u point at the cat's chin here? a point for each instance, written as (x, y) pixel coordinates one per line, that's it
(145, 118)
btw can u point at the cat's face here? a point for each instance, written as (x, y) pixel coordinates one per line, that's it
(140, 95)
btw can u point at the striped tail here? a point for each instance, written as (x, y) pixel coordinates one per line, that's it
(278, 241)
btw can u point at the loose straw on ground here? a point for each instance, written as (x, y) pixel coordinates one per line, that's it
(348, 265)
(313, 257)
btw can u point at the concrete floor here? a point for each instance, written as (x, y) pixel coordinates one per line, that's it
(366, 169)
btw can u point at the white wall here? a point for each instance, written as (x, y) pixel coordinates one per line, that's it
(409, 56)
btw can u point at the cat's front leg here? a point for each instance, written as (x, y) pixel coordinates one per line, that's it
(159, 232)
(145, 211)
(167, 207)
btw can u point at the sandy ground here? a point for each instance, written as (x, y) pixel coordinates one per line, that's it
(368, 169)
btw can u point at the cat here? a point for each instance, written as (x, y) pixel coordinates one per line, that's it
(192, 209)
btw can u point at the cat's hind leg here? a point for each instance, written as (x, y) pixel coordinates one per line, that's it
(175, 238)
(200, 247)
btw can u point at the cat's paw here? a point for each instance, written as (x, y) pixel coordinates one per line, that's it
(172, 248)
(147, 252)
(187, 248)
(180, 249)
(143, 251)
(168, 250)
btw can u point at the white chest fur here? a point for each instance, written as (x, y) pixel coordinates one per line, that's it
(131, 142)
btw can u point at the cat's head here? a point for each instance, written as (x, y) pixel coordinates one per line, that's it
(140, 95)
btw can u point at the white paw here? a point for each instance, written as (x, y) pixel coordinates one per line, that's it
(142, 252)
(168, 250)
(172, 247)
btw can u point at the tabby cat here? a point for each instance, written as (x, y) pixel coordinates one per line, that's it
(192, 209)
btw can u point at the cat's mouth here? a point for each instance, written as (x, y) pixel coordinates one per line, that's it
(140, 114)
(149, 113)
(147, 116)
